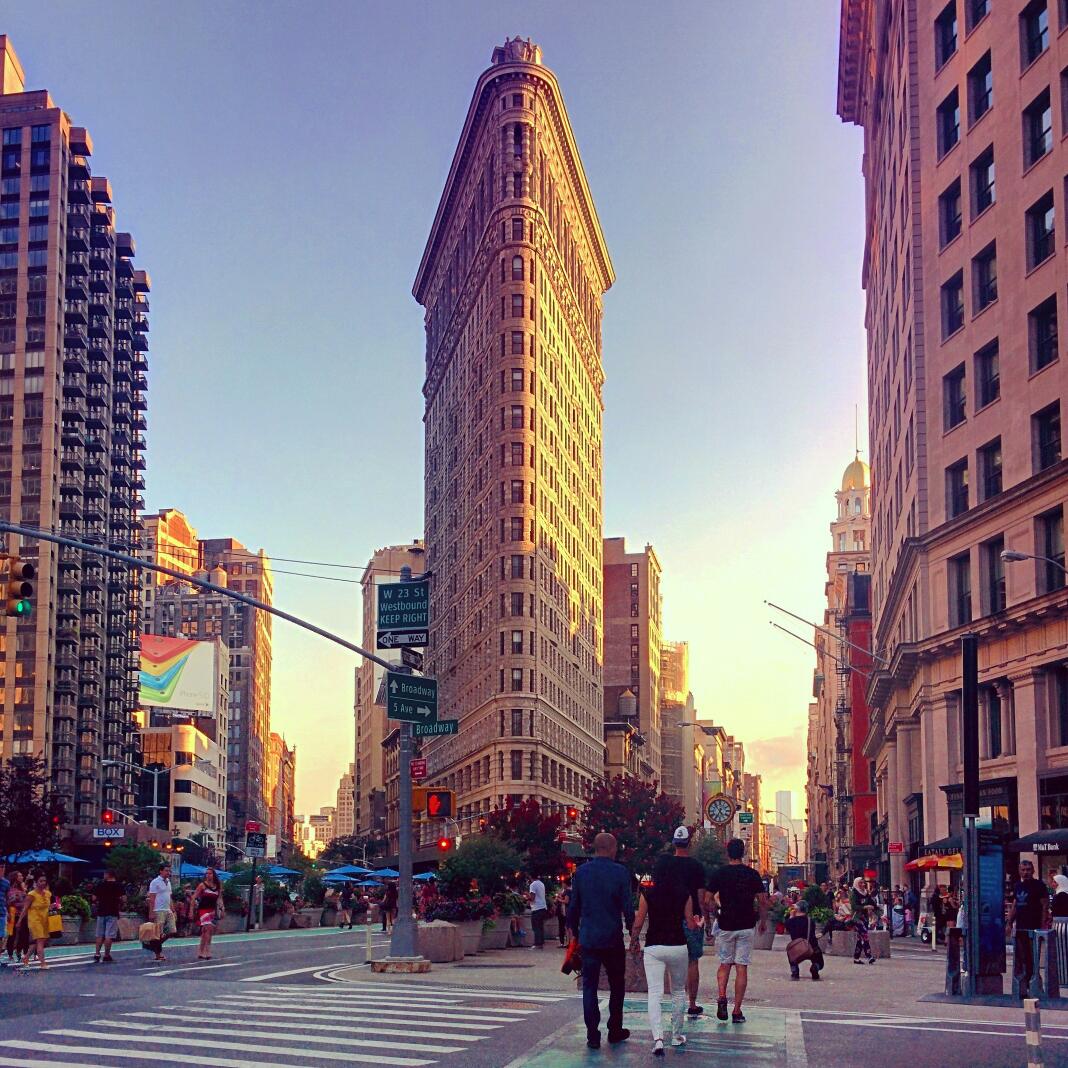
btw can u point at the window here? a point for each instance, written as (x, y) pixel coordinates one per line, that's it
(957, 489)
(1037, 128)
(517, 679)
(1059, 701)
(980, 89)
(515, 415)
(949, 214)
(1049, 543)
(1034, 31)
(946, 34)
(517, 342)
(517, 379)
(982, 171)
(977, 10)
(952, 305)
(517, 762)
(517, 183)
(948, 118)
(993, 572)
(516, 492)
(517, 229)
(1040, 230)
(987, 377)
(1046, 436)
(985, 277)
(516, 604)
(40, 134)
(517, 268)
(518, 305)
(517, 717)
(1042, 334)
(517, 566)
(515, 533)
(13, 135)
(954, 398)
(990, 469)
(959, 572)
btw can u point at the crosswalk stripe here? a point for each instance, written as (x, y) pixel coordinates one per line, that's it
(242, 1018)
(22, 1062)
(388, 1017)
(283, 990)
(156, 1028)
(198, 967)
(445, 1012)
(375, 997)
(240, 1047)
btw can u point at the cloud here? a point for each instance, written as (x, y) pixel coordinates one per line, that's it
(770, 757)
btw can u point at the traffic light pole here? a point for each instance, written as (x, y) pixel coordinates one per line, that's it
(402, 944)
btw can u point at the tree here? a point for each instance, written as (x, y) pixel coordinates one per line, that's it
(532, 833)
(483, 858)
(711, 853)
(133, 865)
(642, 819)
(30, 816)
(349, 849)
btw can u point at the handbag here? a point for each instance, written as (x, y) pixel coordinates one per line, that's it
(572, 958)
(800, 949)
(55, 925)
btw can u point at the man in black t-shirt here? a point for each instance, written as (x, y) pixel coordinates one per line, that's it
(108, 897)
(690, 874)
(741, 895)
(1028, 912)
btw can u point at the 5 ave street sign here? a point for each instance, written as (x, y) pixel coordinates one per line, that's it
(403, 614)
(434, 730)
(411, 698)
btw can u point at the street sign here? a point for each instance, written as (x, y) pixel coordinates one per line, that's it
(256, 844)
(746, 817)
(109, 832)
(895, 848)
(418, 769)
(412, 659)
(433, 730)
(403, 614)
(252, 826)
(411, 698)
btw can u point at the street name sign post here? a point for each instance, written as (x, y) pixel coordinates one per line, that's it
(410, 698)
(435, 730)
(403, 614)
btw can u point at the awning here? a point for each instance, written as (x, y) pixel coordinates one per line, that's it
(933, 862)
(952, 844)
(1053, 841)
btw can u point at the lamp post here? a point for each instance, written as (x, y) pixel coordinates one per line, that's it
(155, 773)
(793, 830)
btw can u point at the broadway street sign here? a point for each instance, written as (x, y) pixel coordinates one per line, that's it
(411, 698)
(403, 613)
(434, 730)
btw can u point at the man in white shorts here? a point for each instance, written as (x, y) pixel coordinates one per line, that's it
(159, 906)
(741, 894)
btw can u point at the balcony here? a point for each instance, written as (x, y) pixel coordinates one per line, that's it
(78, 191)
(66, 683)
(63, 736)
(100, 281)
(140, 343)
(100, 326)
(74, 361)
(124, 245)
(77, 263)
(63, 760)
(73, 385)
(101, 191)
(74, 336)
(77, 288)
(70, 508)
(140, 324)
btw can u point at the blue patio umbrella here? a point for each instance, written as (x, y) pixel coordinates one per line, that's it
(387, 873)
(369, 882)
(424, 876)
(42, 856)
(278, 870)
(333, 877)
(195, 871)
(350, 869)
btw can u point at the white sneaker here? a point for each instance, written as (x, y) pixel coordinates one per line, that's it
(658, 1047)
(678, 1040)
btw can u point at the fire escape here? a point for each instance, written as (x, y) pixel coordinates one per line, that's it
(843, 752)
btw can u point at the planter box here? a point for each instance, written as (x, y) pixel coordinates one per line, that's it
(328, 918)
(71, 926)
(843, 943)
(87, 933)
(765, 940)
(129, 923)
(552, 929)
(231, 923)
(304, 918)
(497, 936)
(439, 942)
(471, 932)
(272, 923)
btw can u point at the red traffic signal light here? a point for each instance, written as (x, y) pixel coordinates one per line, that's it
(572, 814)
(444, 845)
(482, 824)
(55, 821)
(107, 816)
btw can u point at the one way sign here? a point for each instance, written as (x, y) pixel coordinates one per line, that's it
(411, 698)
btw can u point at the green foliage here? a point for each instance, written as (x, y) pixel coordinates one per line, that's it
(234, 899)
(642, 819)
(820, 914)
(27, 808)
(815, 897)
(509, 903)
(534, 834)
(134, 865)
(779, 911)
(314, 890)
(275, 895)
(461, 909)
(483, 858)
(75, 905)
(349, 849)
(710, 852)
(137, 902)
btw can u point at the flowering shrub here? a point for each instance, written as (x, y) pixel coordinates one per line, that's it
(509, 903)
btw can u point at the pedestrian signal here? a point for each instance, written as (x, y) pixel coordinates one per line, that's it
(439, 804)
(20, 575)
(572, 814)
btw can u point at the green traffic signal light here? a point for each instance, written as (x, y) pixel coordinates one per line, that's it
(23, 607)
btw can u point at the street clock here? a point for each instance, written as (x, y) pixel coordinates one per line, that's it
(720, 809)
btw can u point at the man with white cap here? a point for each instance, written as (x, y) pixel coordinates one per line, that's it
(689, 873)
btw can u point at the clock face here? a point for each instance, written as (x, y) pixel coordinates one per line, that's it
(720, 810)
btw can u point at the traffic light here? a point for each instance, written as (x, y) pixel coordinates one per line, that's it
(20, 588)
(107, 817)
(439, 804)
(572, 814)
(444, 845)
(482, 823)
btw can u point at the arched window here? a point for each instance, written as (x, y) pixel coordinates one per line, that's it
(517, 268)
(856, 506)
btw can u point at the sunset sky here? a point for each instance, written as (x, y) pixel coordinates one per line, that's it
(280, 176)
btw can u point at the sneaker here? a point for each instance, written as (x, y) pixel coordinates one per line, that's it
(721, 1008)
(96, 958)
(737, 1017)
(871, 960)
(857, 960)
(658, 1047)
(109, 959)
(695, 1010)
(618, 1036)
(795, 978)
(678, 1040)
(594, 1041)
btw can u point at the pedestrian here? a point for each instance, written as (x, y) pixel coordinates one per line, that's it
(863, 908)
(801, 925)
(741, 895)
(667, 902)
(681, 867)
(207, 908)
(389, 906)
(5, 889)
(159, 907)
(344, 912)
(107, 897)
(601, 903)
(563, 896)
(1027, 914)
(17, 933)
(1059, 912)
(937, 907)
(35, 913)
(538, 911)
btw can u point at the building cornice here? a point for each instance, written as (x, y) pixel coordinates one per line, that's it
(852, 49)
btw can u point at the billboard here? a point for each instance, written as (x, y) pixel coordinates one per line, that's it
(178, 673)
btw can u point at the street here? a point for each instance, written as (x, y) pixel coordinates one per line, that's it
(308, 998)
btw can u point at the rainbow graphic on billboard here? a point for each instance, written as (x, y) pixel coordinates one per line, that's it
(177, 673)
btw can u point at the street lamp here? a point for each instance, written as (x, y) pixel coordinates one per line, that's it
(793, 829)
(1012, 556)
(155, 773)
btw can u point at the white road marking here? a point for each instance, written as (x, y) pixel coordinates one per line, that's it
(884, 1016)
(23, 1063)
(383, 995)
(337, 1019)
(796, 1057)
(398, 1005)
(546, 996)
(883, 1025)
(278, 975)
(195, 966)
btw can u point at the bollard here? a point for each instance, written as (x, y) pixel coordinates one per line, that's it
(367, 951)
(1033, 1026)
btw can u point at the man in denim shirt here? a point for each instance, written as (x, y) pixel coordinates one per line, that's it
(602, 904)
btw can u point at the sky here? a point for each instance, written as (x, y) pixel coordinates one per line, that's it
(280, 164)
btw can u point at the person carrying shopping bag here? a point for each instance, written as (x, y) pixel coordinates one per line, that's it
(803, 944)
(668, 906)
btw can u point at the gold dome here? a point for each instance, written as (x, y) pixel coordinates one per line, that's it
(856, 476)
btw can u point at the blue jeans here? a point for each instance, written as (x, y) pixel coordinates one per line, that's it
(615, 965)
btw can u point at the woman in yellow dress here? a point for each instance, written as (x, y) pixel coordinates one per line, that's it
(36, 912)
